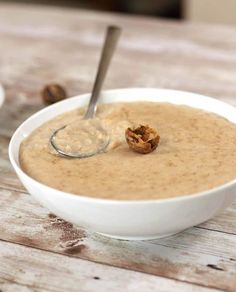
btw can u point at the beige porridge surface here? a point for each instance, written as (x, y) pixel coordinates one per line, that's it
(197, 151)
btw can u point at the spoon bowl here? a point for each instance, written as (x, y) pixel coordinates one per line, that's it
(95, 139)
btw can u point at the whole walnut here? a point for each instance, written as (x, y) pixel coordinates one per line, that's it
(142, 139)
(52, 93)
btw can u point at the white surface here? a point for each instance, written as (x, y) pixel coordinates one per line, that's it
(127, 219)
(2, 95)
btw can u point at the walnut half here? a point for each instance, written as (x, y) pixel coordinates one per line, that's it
(142, 139)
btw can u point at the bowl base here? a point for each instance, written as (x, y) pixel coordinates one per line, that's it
(138, 237)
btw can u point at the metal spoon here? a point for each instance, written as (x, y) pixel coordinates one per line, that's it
(112, 36)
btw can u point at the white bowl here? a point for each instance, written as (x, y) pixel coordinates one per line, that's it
(145, 219)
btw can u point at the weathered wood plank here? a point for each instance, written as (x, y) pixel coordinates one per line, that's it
(8, 178)
(197, 256)
(35, 273)
(11, 286)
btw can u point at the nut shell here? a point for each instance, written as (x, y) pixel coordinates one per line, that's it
(52, 93)
(142, 139)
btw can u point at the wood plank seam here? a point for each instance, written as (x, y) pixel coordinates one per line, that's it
(215, 230)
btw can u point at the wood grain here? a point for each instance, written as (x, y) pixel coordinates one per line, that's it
(35, 273)
(41, 45)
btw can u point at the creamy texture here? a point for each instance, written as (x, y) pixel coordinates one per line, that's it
(197, 152)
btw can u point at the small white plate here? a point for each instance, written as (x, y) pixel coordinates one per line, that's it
(2, 95)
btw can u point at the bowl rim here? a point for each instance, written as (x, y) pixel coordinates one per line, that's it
(192, 196)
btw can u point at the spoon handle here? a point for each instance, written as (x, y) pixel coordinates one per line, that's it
(112, 36)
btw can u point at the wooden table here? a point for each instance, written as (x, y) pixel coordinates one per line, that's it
(40, 252)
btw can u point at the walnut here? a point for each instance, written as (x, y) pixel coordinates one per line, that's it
(52, 93)
(142, 139)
